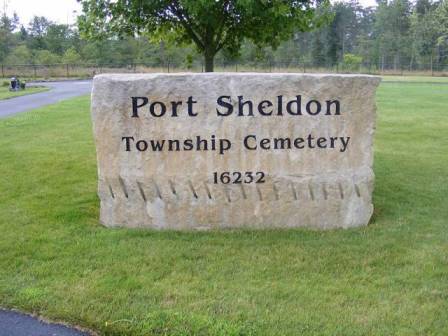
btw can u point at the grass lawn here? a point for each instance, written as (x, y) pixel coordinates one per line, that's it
(415, 79)
(390, 278)
(6, 94)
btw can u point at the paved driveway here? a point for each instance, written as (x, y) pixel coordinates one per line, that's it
(16, 324)
(58, 91)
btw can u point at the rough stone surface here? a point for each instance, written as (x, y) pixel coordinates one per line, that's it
(311, 187)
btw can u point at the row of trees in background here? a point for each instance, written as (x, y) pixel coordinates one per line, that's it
(394, 34)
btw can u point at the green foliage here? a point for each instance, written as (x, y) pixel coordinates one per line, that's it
(211, 25)
(425, 31)
(71, 56)
(7, 26)
(392, 28)
(351, 62)
(395, 35)
(442, 19)
(20, 55)
(58, 38)
(46, 57)
(189, 61)
(38, 29)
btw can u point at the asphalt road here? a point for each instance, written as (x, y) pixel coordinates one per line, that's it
(16, 324)
(58, 91)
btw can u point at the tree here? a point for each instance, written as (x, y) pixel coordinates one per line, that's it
(425, 30)
(7, 26)
(351, 30)
(442, 18)
(57, 38)
(364, 44)
(392, 29)
(343, 31)
(211, 25)
(351, 62)
(19, 55)
(423, 6)
(37, 30)
(71, 56)
(45, 57)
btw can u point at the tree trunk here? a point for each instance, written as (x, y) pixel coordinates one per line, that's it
(432, 69)
(209, 61)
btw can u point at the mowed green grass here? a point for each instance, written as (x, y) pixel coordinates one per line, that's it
(415, 79)
(389, 278)
(6, 94)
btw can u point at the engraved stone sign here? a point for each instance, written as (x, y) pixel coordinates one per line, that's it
(231, 150)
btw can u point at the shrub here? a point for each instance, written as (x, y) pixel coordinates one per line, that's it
(351, 62)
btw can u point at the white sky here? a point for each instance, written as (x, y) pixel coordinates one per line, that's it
(62, 11)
